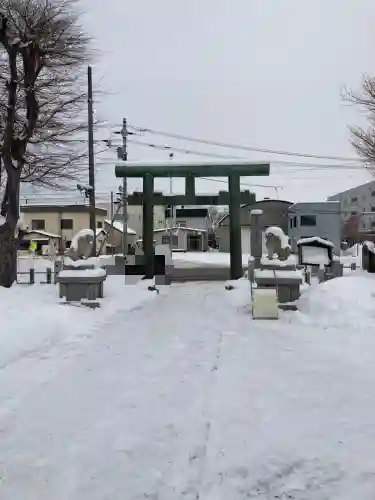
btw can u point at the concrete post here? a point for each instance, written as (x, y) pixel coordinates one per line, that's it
(256, 236)
(236, 270)
(148, 224)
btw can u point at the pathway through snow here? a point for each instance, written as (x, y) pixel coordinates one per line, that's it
(187, 398)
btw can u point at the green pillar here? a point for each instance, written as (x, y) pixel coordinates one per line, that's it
(190, 186)
(235, 227)
(148, 224)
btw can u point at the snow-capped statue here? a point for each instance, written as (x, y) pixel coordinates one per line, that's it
(277, 242)
(81, 245)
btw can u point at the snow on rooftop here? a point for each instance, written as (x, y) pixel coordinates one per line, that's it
(120, 226)
(180, 228)
(315, 239)
(44, 233)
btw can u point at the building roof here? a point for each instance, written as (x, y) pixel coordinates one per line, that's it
(180, 228)
(36, 208)
(265, 201)
(347, 191)
(118, 225)
(43, 233)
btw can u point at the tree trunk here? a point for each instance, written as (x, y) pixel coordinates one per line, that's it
(8, 256)
(8, 239)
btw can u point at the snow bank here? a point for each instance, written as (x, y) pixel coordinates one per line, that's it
(32, 319)
(347, 302)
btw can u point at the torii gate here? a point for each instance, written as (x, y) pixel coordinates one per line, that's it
(234, 170)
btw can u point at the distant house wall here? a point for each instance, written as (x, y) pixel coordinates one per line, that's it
(358, 201)
(183, 239)
(321, 219)
(275, 213)
(64, 221)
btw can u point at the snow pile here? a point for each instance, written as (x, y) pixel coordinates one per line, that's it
(347, 302)
(278, 233)
(290, 261)
(32, 319)
(353, 251)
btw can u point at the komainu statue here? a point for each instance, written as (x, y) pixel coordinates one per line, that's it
(81, 245)
(277, 242)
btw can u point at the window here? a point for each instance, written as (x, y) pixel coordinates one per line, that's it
(38, 224)
(99, 224)
(165, 240)
(66, 223)
(293, 222)
(354, 199)
(373, 223)
(308, 220)
(373, 193)
(353, 213)
(181, 223)
(372, 209)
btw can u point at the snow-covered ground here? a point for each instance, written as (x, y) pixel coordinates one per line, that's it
(214, 258)
(181, 395)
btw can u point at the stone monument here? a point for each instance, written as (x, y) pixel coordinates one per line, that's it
(81, 280)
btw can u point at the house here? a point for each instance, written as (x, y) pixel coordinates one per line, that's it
(135, 216)
(115, 235)
(182, 238)
(62, 220)
(46, 243)
(196, 217)
(275, 213)
(322, 219)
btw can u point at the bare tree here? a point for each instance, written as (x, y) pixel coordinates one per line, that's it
(43, 54)
(363, 139)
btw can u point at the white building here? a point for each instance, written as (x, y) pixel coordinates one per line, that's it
(322, 219)
(358, 201)
(196, 217)
(135, 217)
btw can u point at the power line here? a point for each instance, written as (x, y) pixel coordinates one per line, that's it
(305, 166)
(238, 146)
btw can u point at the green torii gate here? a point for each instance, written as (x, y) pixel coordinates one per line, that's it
(234, 170)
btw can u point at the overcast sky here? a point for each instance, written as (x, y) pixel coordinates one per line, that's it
(262, 73)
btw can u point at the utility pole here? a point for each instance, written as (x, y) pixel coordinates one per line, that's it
(91, 191)
(124, 134)
(122, 154)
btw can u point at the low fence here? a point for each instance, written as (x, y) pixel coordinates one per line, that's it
(31, 273)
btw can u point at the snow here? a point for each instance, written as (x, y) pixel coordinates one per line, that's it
(315, 256)
(370, 245)
(84, 273)
(278, 233)
(288, 275)
(80, 234)
(120, 226)
(290, 261)
(43, 233)
(181, 395)
(212, 258)
(315, 239)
